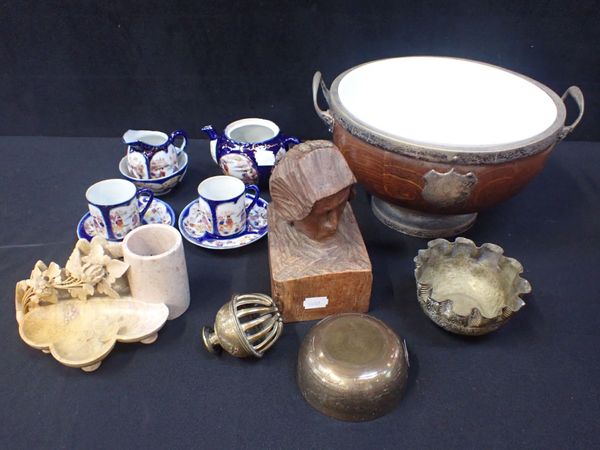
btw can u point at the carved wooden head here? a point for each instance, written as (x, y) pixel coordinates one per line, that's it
(310, 187)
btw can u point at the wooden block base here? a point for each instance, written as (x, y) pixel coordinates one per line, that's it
(314, 279)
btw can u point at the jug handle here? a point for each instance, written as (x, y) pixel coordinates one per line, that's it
(183, 135)
(213, 136)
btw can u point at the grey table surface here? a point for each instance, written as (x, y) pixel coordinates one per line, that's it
(533, 384)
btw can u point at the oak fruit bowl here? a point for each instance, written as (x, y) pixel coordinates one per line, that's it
(436, 139)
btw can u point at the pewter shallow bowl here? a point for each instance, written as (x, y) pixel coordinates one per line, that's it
(352, 367)
(467, 289)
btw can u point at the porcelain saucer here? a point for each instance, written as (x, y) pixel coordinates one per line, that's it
(193, 230)
(159, 212)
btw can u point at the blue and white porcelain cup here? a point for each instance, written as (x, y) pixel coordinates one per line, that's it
(113, 205)
(222, 205)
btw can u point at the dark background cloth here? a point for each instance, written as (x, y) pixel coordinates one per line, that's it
(532, 384)
(97, 68)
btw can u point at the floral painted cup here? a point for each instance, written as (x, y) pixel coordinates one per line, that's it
(222, 205)
(113, 205)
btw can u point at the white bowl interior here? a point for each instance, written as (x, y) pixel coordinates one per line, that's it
(222, 187)
(251, 130)
(110, 192)
(446, 101)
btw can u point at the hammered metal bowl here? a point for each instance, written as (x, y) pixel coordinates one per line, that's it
(352, 367)
(467, 289)
(247, 325)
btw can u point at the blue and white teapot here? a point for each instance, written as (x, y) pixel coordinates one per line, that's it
(249, 148)
(153, 154)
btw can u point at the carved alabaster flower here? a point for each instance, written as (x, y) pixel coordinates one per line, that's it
(42, 282)
(92, 268)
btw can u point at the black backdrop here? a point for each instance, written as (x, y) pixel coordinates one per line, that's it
(85, 68)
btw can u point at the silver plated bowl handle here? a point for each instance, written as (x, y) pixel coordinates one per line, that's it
(577, 96)
(325, 116)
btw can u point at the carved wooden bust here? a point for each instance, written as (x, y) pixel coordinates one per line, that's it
(310, 188)
(317, 257)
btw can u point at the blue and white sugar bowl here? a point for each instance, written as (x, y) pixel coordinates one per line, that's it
(249, 148)
(162, 185)
(153, 161)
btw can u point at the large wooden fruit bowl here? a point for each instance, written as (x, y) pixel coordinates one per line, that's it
(436, 140)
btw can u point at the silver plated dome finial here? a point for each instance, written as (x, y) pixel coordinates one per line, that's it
(247, 325)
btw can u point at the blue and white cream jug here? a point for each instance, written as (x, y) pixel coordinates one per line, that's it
(153, 154)
(249, 148)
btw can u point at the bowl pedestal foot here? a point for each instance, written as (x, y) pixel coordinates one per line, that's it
(421, 224)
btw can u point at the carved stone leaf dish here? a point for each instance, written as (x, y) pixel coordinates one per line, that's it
(82, 333)
(77, 313)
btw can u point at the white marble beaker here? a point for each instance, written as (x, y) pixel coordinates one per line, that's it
(157, 269)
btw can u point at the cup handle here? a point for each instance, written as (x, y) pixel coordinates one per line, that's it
(289, 141)
(150, 194)
(256, 196)
(183, 135)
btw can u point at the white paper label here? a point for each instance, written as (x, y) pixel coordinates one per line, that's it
(264, 158)
(315, 302)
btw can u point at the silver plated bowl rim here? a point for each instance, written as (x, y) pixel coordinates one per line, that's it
(448, 153)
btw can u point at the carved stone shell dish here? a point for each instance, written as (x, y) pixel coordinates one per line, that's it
(467, 289)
